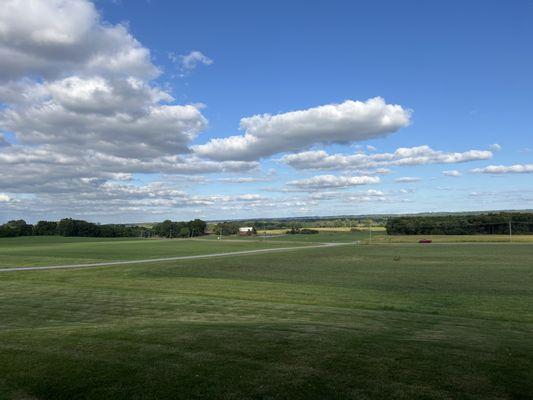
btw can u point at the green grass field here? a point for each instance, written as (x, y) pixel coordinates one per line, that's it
(381, 321)
(322, 237)
(55, 250)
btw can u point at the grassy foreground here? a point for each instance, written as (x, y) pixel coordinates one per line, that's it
(361, 322)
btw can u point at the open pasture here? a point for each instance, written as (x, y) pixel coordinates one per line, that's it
(322, 237)
(356, 321)
(56, 250)
(454, 238)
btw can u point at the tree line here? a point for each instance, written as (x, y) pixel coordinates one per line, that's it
(73, 227)
(289, 223)
(482, 224)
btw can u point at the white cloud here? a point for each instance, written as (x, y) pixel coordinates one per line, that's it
(4, 198)
(85, 112)
(332, 181)
(54, 38)
(452, 173)
(495, 147)
(407, 179)
(506, 169)
(190, 61)
(245, 179)
(42, 169)
(266, 134)
(404, 156)
(340, 198)
(119, 117)
(77, 93)
(97, 95)
(407, 191)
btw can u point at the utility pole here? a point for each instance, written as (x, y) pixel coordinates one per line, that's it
(370, 231)
(510, 231)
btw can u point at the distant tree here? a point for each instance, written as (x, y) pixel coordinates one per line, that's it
(227, 228)
(45, 228)
(492, 223)
(169, 228)
(197, 227)
(14, 228)
(73, 227)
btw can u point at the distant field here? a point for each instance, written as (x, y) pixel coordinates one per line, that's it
(56, 250)
(453, 238)
(375, 321)
(333, 229)
(322, 237)
(348, 229)
(380, 236)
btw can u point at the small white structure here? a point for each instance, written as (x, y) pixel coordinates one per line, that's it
(246, 230)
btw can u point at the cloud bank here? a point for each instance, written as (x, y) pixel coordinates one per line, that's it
(404, 156)
(505, 169)
(332, 181)
(78, 96)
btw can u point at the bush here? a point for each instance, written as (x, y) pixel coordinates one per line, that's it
(302, 231)
(306, 231)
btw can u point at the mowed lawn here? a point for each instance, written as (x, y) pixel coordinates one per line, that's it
(446, 321)
(56, 250)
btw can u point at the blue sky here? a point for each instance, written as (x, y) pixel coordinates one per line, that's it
(460, 72)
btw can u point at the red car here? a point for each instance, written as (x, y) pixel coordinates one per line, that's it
(425, 241)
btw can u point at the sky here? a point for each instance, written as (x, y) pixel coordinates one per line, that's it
(138, 111)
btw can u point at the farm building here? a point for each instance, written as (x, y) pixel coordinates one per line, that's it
(246, 230)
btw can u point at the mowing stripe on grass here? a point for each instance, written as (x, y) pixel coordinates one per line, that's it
(151, 260)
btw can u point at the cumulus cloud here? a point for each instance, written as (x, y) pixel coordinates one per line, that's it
(77, 87)
(407, 179)
(347, 122)
(54, 38)
(452, 173)
(43, 170)
(78, 96)
(505, 169)
(118, 117)
(332, 181)
(495, 147)
(404, 156)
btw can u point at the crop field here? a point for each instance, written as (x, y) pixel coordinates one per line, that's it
(358, 321)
